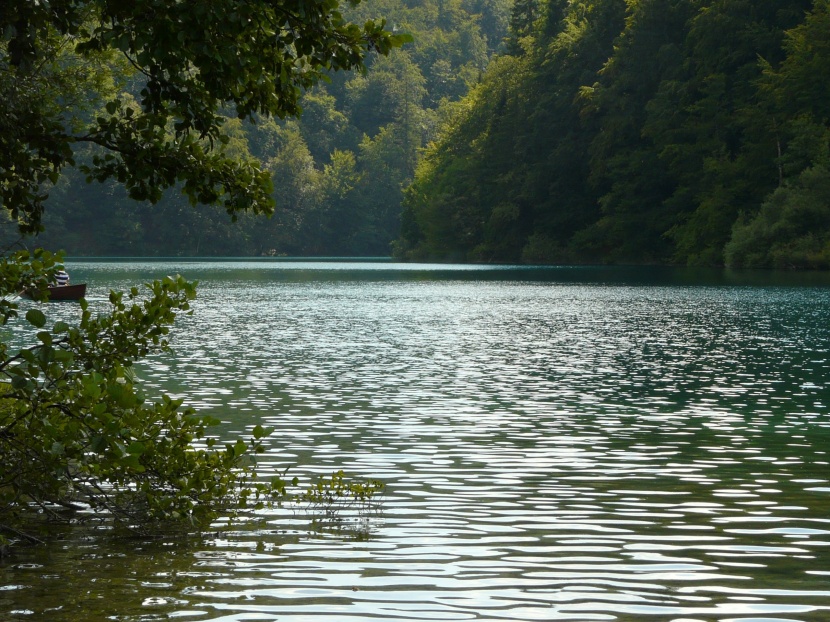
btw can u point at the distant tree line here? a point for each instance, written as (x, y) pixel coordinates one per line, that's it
(638, 131)
(338, 171)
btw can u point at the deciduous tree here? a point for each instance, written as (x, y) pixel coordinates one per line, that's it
(74, 427)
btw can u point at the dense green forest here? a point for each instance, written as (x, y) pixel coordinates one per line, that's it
(539, 131)
(338, 172)
(638, 131)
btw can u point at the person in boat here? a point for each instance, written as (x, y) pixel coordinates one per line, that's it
(62, 278)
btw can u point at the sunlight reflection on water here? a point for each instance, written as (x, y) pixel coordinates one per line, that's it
(553, 449)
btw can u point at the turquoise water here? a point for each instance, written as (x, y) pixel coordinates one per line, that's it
(557, 443)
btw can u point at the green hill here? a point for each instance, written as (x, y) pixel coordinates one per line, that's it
(638, 131)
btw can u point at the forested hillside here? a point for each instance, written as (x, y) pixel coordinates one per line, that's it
(638, 131)
(338, 172)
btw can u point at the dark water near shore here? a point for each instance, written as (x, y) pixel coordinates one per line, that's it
(558, 444)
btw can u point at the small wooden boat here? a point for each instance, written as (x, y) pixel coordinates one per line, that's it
(62, 292)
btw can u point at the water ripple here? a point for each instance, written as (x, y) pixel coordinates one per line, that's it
(552, 450)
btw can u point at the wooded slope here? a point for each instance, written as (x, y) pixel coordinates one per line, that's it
(640, 131)
(338, 172)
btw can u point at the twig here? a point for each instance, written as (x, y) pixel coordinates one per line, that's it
(28, 537)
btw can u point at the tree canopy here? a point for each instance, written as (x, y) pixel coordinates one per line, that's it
(188, 62)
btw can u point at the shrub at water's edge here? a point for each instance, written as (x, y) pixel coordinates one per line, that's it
(77, 435)
(136, 90)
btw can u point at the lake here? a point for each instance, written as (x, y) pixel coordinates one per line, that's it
(568, 443)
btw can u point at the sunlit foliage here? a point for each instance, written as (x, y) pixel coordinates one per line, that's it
(638, 131)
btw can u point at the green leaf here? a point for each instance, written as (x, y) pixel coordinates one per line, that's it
(132, 461)
(98, 443)
(36, 318)
(136, 448)
(260, 432)
(63, 356)
(20, 382)
(121, 394)
(239, 448)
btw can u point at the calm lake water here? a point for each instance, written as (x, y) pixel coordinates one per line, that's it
(557, 443)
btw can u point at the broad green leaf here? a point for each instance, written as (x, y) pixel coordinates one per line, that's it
(36, 318)
(136, 448)
(260, 432)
